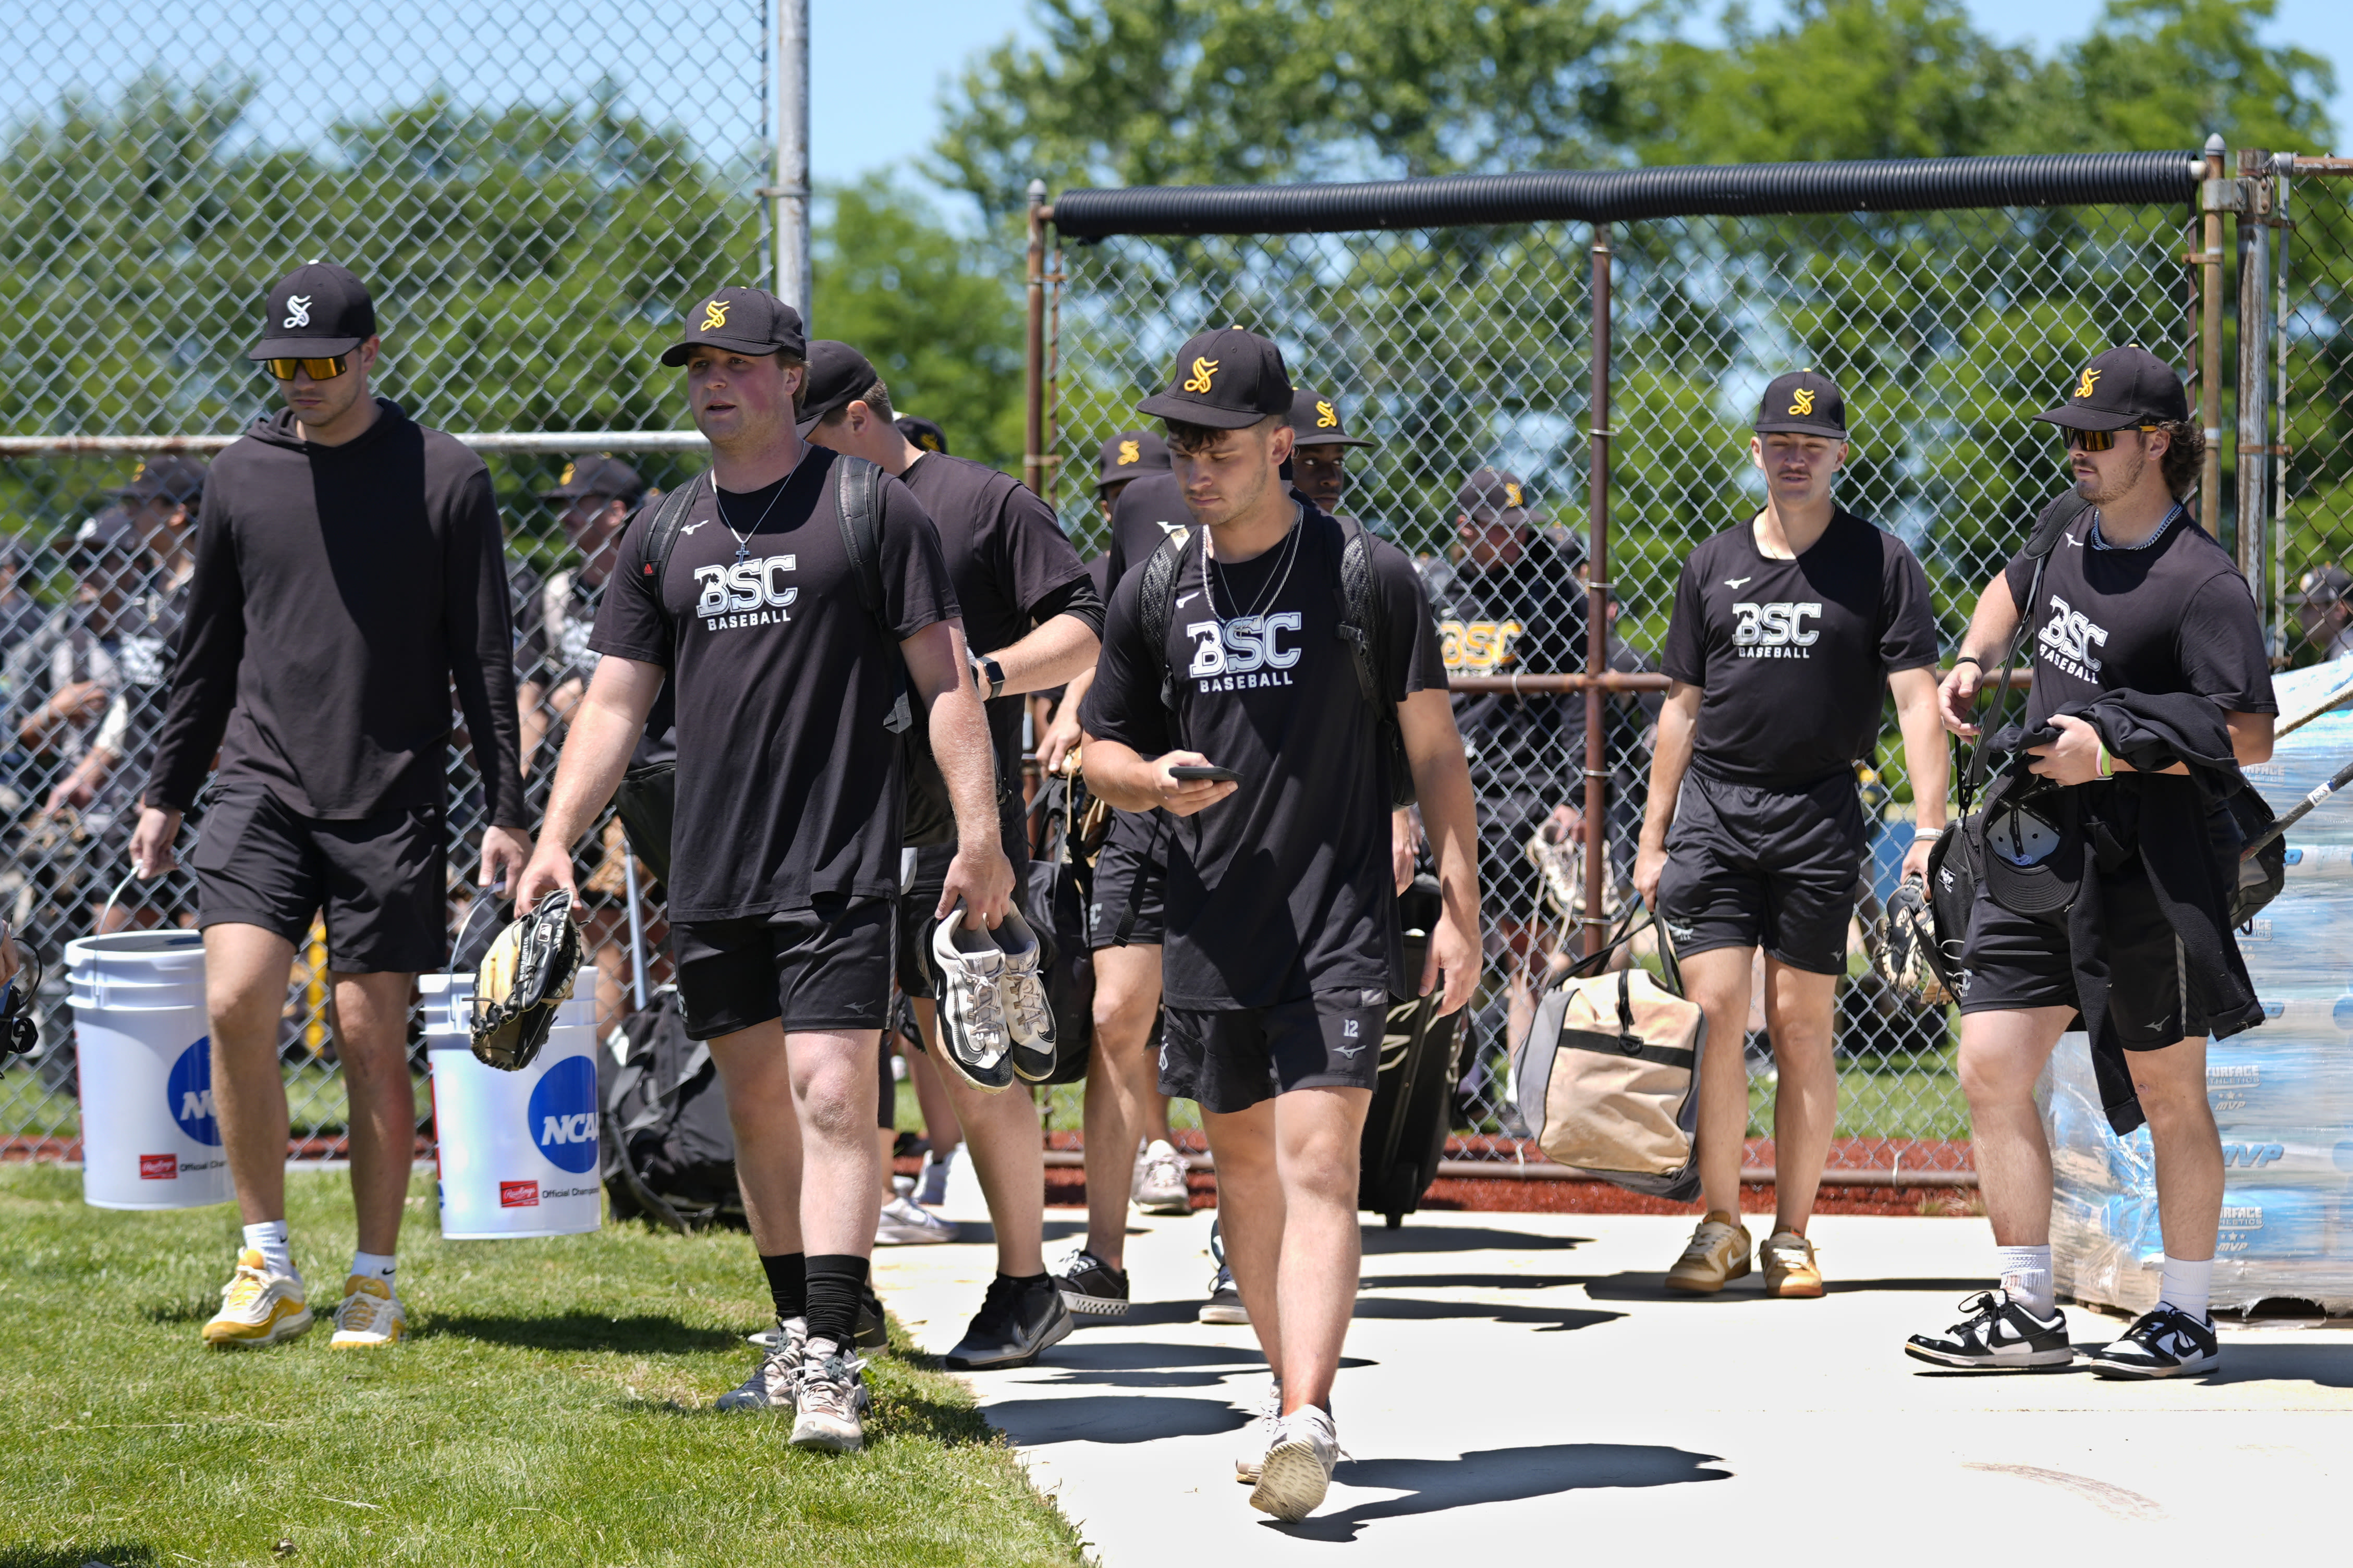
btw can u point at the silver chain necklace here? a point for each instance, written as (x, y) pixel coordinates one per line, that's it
(743, 536)
(1290, 556)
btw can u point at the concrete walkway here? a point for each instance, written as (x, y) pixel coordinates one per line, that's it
(1518, 1388)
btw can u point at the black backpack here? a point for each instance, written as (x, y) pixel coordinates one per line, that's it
(1957, 862)
(668, 1149)
(1405, 1130)
(1364, 626)
(1055, 904)
(646, 799)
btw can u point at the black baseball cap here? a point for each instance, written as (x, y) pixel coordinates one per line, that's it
(1228, 379)
(599, 475)
(2121, 388)
(1491, 495)
(316, 311)
(166, 478)
(1315, 420)
(2034, 853)
(1805, 403)
(108, 531)
(923, 433)
(1129, 454)
(741, 320)
(839, 375)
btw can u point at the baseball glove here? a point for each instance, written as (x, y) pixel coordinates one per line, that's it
(1907, 934)
(528, 971)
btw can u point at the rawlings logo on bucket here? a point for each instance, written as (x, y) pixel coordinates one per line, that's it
(518, 1195)
(159, 1167)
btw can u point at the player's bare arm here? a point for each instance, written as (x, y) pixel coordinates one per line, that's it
(1670, 760)
(1926, 758)
(1989, 632)
(1442, 787)
(980, 877)
(1131, 781)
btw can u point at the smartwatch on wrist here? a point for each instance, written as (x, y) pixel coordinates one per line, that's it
(990, 674)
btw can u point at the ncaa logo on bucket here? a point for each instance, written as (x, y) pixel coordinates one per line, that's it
(562, 1115)
(188, 1090)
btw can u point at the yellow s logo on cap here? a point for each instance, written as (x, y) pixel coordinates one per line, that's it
(714, 316)
(1802, 400)
(2091, 378)
(1512, 495)
(1130, 452)
(1324, 418)
(565, 477)
(1203, 369)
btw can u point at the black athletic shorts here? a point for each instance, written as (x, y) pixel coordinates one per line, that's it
(1753, 867)
(823, 968)
(1229, 1061)
(1131, 874)
(2014, 962)
(382, 880)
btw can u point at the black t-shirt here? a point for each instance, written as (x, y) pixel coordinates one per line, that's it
(788, 786)
(1791, 656)
(1284, 888)
(1012, 568)
(1147, 511)
(1524, 617)
(2172, 615)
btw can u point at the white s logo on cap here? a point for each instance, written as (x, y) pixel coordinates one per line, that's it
(298, 310)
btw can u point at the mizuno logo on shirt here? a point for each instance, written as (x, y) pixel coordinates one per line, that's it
(1186, 600)
(690, 527)
(1737, 582)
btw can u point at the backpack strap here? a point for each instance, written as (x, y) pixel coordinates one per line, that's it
(2058, 515)
(660, 538)
(1364, 618)
(861, 513)
(1155, 607)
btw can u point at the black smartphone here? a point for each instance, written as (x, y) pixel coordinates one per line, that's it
(1188, 771)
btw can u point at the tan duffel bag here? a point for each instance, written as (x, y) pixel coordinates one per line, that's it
(1608, 1079)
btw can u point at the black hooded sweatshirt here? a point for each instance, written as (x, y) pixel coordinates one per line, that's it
(339, 592)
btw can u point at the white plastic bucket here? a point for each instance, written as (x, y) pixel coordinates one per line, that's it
(149, 1137)
(516, 1153)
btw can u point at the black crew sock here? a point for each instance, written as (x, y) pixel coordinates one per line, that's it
(836, 1280)
(787, 1275)
(1025, 1280)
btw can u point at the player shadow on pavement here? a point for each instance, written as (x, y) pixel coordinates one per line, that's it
(2324, 1366)
(1500, 1475)
(1121, 1364)
(1379, 1241)
(640, 1335)
(1114, 1419)
(1544, 1320)
(1648, 1286)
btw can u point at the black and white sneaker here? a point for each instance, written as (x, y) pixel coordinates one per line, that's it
(1092, 1288)
(1998, 1334)
(1021, 991)
(2164, 1342)
(1018, 1319)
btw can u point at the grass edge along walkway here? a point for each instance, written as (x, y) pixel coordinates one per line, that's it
(552, 1406)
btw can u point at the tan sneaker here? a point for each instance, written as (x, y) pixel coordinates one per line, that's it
(370, 1318)
(1716, 1255)
(1790, 1266)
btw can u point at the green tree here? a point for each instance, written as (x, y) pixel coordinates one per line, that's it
(939, 314)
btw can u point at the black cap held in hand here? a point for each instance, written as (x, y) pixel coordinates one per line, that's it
(1227, 380)
(316, 311)
(1315, 420)
(839, 375)
(740, 320)
(1129, 454)
(2121, 388)
(1804, 402)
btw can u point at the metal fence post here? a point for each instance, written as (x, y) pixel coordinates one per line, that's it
(1033, 373)
(791, 190)
(2210, 348)
(1597, 604)
(2253, 448)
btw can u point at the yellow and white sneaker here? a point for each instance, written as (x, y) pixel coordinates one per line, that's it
(370, 1315)
(257, 1307)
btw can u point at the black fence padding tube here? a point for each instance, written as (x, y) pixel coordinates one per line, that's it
(1612, 196)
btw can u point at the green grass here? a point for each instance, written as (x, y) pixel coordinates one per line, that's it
(552, 1406)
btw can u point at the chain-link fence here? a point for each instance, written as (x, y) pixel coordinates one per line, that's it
(529, 199)
(2309, 372)
(1463, 347)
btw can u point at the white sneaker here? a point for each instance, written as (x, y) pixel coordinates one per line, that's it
(777, 1378)
(973, 1032)
(1259, 1435)
(1158, 1186)
(903, 1223)
(829, 1401)
(1029, 1016)
(370, 1316)
(259, 1306)
(1297, 1470)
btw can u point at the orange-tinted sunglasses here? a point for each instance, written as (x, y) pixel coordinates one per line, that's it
(316, 369)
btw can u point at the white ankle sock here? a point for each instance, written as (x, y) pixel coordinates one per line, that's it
(2185, 1286)
(268, 1238)
(372, 1265)
(2026, 1277)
